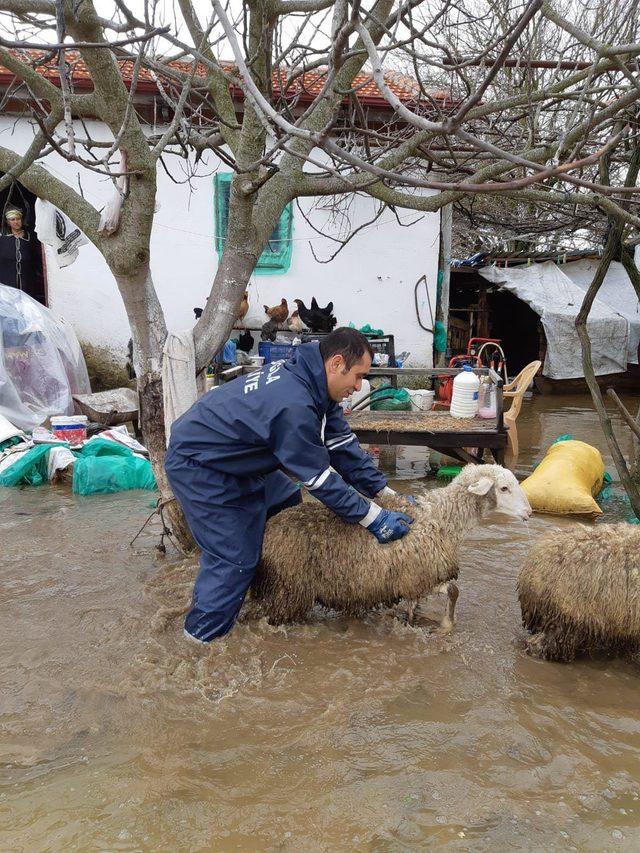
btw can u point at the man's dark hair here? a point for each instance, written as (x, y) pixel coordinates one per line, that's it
(349, 343)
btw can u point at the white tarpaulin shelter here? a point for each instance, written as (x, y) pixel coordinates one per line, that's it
(616, 290)
(556, 300)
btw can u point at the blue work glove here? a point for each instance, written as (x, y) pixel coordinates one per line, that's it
(411, 499)
(390, 525)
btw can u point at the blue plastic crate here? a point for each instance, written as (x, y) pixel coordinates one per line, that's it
(275, 352)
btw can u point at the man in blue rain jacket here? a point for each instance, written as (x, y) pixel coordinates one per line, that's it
(228, 456)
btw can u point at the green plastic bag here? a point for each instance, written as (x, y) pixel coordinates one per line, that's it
(104, 474)
(396, 400)
(29, 470)
(439, 337)
(105, 467)
(104, 447)
(367, 329)
(4, 445)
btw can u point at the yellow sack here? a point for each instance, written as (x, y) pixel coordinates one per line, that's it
(567, 480)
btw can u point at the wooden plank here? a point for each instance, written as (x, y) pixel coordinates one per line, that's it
(427, 371)
(435, 440)
(304, 333)
(438, 421)
(231, 372)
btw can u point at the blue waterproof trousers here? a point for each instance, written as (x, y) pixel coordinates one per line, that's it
(226, 515)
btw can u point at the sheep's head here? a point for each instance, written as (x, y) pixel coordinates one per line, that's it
(500, 487)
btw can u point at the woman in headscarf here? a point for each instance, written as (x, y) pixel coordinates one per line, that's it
(20, 256)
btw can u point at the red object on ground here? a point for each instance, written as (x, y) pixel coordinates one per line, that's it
(73, 434)
(445, 390)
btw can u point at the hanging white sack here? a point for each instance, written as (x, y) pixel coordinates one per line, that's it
(57, 231)
(110, 216)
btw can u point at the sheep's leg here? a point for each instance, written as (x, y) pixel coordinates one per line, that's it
(411, 611)
(554, 643)
(450, 589)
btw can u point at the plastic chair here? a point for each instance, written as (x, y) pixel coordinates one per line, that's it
(515, 389)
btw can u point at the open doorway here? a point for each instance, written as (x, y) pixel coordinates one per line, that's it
(21, 255)
(518, 327)
(478, 308)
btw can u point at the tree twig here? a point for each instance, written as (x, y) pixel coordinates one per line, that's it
(628, 418)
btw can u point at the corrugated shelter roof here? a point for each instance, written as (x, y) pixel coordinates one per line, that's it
(303, 88)
(523, 258)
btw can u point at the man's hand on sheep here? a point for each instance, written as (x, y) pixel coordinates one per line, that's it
(390, 525)
(386, 492)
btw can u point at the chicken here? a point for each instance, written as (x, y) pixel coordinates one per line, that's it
(269, 331)
(327, 310)
(295, 323)
(245, 341)
(278, 313)
(242, 310)
(316, 318)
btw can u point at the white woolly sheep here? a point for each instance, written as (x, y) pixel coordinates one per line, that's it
(309, 555)
(579, 591)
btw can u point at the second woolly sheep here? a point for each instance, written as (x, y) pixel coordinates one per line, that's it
(579, 592)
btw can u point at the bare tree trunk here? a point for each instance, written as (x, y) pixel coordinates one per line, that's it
(611, 248)
(149, 333)
(629, 264)
(250, 224)
(635, 460)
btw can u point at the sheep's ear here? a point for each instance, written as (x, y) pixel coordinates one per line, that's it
(481, 487)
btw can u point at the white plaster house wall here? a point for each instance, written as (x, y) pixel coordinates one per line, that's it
(370, 281)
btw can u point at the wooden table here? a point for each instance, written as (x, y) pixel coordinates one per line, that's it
(465, 439)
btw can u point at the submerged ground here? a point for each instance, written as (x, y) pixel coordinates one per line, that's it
(117, 735)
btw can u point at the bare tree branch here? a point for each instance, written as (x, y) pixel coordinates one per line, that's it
(79, 45)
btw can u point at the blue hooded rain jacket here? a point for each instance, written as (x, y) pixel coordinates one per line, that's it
(225, 463)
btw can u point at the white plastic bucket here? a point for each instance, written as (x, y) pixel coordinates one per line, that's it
(421, 399)
(355, 398)
(71, 428)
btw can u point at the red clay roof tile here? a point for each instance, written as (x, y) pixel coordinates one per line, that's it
(304, 87)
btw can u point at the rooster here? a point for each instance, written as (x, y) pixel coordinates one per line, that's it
(242, 310)
(278, 313)
(295, 323)
(314, 306)
(316, 318)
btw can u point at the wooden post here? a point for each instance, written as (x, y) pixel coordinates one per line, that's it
(442, 308)
(611, 247)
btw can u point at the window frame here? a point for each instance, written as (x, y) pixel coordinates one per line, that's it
(269, 263)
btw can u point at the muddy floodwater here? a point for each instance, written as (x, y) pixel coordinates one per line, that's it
(117, 735)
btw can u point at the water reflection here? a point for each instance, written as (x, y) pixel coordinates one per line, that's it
(339, 734)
